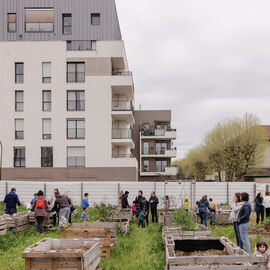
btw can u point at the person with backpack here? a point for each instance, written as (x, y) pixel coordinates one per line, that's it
(40, 208)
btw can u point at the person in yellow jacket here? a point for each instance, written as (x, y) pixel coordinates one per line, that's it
(186, 205)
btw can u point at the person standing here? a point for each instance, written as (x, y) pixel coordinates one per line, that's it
(186, 205)
(61, 202)
(236, 206)
(125, 203)
(32, 201)
(203, 205)
(85, 202)
(11, 202)
(243, 220)
(40, 208)
(259, 208)
(145, 207)
(55, 213)
(266, 203)
(138, 201)
(213, 206)
(153, 201)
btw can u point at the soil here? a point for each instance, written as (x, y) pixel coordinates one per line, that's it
(209, 252)
(263, 229)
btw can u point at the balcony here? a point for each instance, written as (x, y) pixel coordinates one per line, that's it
(122, 83)
(122, 156)
(123, 110)
(160, 134)
(159, 153)
(81, 45)
(123, 136)
(169, 171)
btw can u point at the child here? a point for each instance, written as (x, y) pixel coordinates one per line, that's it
(213, 218)
(133, 207)
(84, 216)
(262, 248)
(212, 205)
(141, 218)
(186, 205)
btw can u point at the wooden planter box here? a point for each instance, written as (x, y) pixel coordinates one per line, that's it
(56, 254)
(18, 222)
(3, 226)
(81, 230)
(165, 218)
(124, 213)
(178, 233)
(237, 259)
(223, 216)
(99, 224)
(123, 223)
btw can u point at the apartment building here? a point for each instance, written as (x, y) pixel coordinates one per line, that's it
(154, 144)
(66, 92)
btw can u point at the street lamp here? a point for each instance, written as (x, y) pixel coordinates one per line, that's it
(1, 160)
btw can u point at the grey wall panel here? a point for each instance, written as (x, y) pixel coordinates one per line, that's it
(81, 10)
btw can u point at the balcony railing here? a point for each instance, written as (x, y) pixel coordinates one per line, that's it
(156, 132)
(122, 155)
(122, 105)
(81, 45)
(122, 133)
(121, 73)
(158, 151)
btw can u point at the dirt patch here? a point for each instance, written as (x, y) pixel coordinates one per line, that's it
(209, 252)
(264, 229)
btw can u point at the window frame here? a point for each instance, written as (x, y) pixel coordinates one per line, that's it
(76, 100)
(19, 74)
(46, 136)
(22, 159)
(44, 79)
(8, 22)
(146, 170)
(47, 161)
(18, 131)
(75, 72)
(75, 165)
(66, 15)
(76, 129)
(46, 102)
(19, 102)
(94, 16)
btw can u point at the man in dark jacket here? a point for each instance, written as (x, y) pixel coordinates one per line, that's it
(125, 203)
(11, 202)
(203, 205)
(243, 220)
(153, 201)
(138, 201)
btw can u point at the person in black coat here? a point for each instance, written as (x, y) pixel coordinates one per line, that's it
(125, 203)
(203, 206)
(145, 207)
(138, 201)
(259, 208)
(153, 202)
(11, 202)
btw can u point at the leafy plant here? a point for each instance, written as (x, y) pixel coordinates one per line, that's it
(183, 219)
(105, 211)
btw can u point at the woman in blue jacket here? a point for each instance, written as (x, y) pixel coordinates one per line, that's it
(203, 205)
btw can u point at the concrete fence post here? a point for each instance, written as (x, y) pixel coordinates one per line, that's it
(6, 187)
(45, 190)
(228, 192)
(254, 194)
(191, 195)
(155, 187)
(194, 193)
(81, 193)
(267, 188)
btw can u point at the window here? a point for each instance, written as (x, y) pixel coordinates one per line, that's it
(46, 157)
(75, 72)
(161, 165)
(161, 126)
(19, 129)
(75, 157)
(46, 72)
(19, 72)
(95, 18)
(39, 20)
(75, 129)
(161, 147)
(146, 166)
(12, 22)
(19, 157)
(146, 148)
(46, 129)
(19, 104)
(46, 100)
(66, 24)
(75, 100)
(146, 126)
(93, 44)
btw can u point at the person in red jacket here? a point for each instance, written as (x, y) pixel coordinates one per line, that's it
(40, 208)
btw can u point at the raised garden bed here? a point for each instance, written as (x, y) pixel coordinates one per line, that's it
(165, 218)
(18, 222)
(223, 216)
(3, 226)
(260, 229)
(56, 254)
(208, 253)
(123, 213)
(123, 224)
(84, 230)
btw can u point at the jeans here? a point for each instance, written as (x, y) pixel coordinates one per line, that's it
(39, 225)
(243, 230)
(237, 235)
(267, 210)
(63, 212)
(141, 223)
(260, 212)
(154, 215)
(203, 216)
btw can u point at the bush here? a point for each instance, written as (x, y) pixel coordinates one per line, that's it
(105, 212)
(183, 220)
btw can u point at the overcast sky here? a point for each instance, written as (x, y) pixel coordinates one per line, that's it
(204, 60)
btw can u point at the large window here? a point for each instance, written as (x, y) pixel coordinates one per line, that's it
(19, 104)
(75, 157)
(67, 24)
(161, 165)
(75, 72)
(161, 147)
(19, 129)
(95, 18)
(146, 166)
(46, 157)
(19, 157)
(46, 100)
(46, 129)
(12, 22)
(75, 129)
(19, 72)
(146, 148)
(39, 20)
(46, 72)
(75, 100)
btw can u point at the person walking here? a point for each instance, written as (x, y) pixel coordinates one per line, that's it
(125, 203)
(259, 208)
(203, 206)
(61, 202)
(266, 204)
(55, 213)
(236, 206)
(153, 202)
(243, 220)
(11, 202)
(40, 208)
(85, 202)
(138, 201)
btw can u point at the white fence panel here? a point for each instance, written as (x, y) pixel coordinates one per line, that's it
(2, 190)
(260, 188)
(241, 187)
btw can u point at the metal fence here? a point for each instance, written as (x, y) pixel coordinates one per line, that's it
(107, 192)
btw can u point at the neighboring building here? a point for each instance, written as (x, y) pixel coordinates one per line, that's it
(66, 92)
(153, 144)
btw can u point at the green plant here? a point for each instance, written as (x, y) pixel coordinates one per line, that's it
(183, 220)
(224, 203)
(105, 211)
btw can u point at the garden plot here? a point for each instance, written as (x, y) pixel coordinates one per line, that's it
(223, 216)
(208, 253)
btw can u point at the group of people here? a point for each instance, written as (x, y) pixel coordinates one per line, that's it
(140, 207)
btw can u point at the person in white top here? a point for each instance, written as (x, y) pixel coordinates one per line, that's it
(266, 203)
